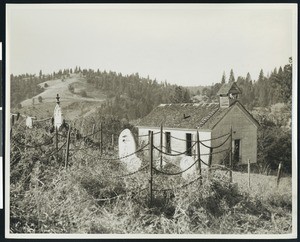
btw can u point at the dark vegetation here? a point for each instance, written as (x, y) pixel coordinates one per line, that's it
(26, 86)
(267, 90)
(263, 98)
(133, 96)
(129, 96)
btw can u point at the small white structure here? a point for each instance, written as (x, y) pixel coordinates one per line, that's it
(133, 163)
(127, 149)
(185, 163)
(57, 114)
(29, 122)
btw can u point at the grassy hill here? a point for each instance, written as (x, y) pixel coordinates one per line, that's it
(82, 100)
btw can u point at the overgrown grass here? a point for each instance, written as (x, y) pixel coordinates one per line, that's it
(46, 198)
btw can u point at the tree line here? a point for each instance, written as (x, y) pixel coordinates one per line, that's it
(129, 96)
(267, 90)
(132, 96)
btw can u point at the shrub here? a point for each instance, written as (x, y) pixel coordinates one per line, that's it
(40, 99)
(83, 93)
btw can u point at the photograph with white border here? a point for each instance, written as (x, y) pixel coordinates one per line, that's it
(151, 121)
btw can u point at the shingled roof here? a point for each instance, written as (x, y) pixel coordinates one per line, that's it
(226, 87)
(189, 115)
(183, 115)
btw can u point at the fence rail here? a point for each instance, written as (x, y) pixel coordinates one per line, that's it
(70, 137)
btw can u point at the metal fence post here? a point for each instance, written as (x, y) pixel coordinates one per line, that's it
(101, 144)
(198, 156)
(249, 173)
(230, 155)
(209, 162)
(279, 173)
(151, 167)
(161, 146)
(67, 148)
(56, 142)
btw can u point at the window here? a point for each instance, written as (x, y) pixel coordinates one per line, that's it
(168, 142)
(188, 144)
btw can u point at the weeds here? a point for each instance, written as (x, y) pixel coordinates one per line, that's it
(46, 198)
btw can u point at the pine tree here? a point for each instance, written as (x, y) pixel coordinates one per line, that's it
(223, 81)
(261, 75)
(262, 89)
(231, 77)
(248, 78)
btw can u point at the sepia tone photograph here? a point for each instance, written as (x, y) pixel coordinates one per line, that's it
(151, 121)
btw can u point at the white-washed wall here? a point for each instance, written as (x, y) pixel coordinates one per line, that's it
(176, 144)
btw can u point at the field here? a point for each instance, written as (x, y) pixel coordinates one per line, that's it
(95, 194)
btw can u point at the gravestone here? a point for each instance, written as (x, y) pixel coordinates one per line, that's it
(57, 114)
(186, 162)
(29, 122)
(127, 146)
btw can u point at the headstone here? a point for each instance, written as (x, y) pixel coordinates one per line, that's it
(133, 163)
(185, 163)
(57, 116)
(29, 122)
(127, 146)
(126, 143)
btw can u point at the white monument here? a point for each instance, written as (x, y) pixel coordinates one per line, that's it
(127, 148)
(29, 122)
(57, 114)
(185, 163)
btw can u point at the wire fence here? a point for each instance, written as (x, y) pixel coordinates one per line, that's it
(76, 146)
(176, 173)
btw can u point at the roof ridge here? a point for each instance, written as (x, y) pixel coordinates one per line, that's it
(191, 104)
(205, 119)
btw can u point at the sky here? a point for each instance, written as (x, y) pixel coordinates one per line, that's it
(183, 44)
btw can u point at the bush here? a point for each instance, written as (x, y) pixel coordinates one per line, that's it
(71, 88)
(83, 93)
(40, 99)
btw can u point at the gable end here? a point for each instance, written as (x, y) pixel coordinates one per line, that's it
(240, 107)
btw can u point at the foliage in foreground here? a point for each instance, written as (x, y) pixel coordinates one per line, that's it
(46, 198)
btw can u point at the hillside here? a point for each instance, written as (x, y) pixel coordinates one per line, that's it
(83, 99)
(129, 97)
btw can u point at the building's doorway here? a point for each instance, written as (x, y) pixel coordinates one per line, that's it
(168, 142)
(188, 144)
(236, 151)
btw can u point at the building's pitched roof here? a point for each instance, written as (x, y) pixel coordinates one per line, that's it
(201, 115)
(184, 115)
(226, 87)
